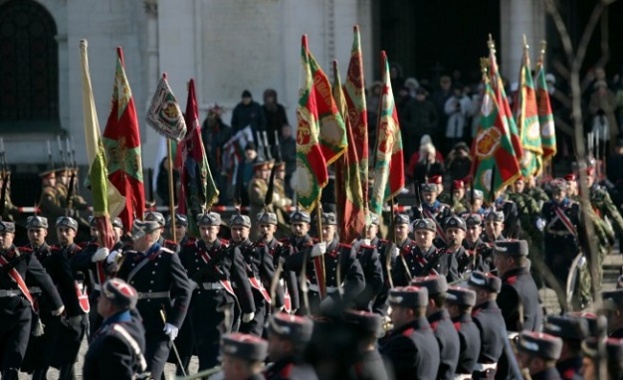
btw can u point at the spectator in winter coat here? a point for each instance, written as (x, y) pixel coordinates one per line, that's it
(247, 113)
(456, 108)
(274, 115)
(420, 118)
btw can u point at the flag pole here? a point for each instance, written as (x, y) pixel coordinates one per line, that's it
(322, 282)
(171, 187)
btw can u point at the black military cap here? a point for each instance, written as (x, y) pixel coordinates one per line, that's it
(408, 296)
(473, 220)
(374, 219)
(141, 228)
(240, 220)
(267, 218)
(300, 217)
(620, 282)
(120, 293)
(36, 221)
(92, 221)
(566, 327)
(424, 224)
(7, 227)
(512, 248)
(295, 328)
(486, 281)
(590, 319)
(209, 219)
(559, 184)
(461, 296)
(541, 345)
(66, 221)
(117, 222)
(434, 284)
(429, 188)
(155, 216)
(369, 322)
(455, 222)
(180, 220)
(401, 219)
(613, 299)
(495, 216)
(329, 219)
(244, 346)
(614, 349)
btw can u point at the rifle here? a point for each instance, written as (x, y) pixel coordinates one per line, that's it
(431, 264)
(150, 185)
(70, 191)
(492, 190)
(266, 146)
(418, 197)
(5, 181)
(60, 150)
(211, 267)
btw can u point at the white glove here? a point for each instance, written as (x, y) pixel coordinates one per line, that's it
(171, 331)
(395, 251)
(58, 311)
(540, 224)
(112, 256)
(100, 254)
(193, 284)
(319, 249)
(248, 317)
(365, 241)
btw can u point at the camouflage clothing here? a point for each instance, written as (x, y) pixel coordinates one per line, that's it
(538, 194)
(605, 238)
(603, 206)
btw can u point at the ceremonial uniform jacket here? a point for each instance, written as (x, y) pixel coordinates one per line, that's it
(469, 338)
(488, 318)
(512, 224)
(570, 369)
(371, 265)
(419, 263)
(221, 263)
(483, 252)
(538, 194)
(519, 296)
(161, 281)
(11, 212)
(437, 211)
(112, 354)
(603, 206)
(554, 226)
(548, 374)
(287, 248)
(65, 275)
(388, 262)
(258, 265)
(168, 244)
(49, 204)
(412, 351)
(289, 369)
(370, 367)
(449, 344)
(268, 251)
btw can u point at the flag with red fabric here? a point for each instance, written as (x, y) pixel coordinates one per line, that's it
(122, 141)
(546, 116)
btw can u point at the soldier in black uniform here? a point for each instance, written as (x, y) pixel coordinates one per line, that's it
(434, 210)
(181, 228)
(387, 260)
(341, 287)
(613, 308)
(406, 252)
(490, 322)
(369, 258)
(16, 303)
(519, 295)
(411, 348)
(117, 348)
(268, 247)
(460, 302)
(243, 356)
(211, 266)
(42, 348)
(572, 331)
(260, 270)
(443, 328)
(367, 329)
(537, 353)
(154, 216)
(512, 225)
(475, 246)
(613, 357)
(74, 325)
(475, 204)
(162, 285)
(287, 337)
(456, 228)
(494, 227)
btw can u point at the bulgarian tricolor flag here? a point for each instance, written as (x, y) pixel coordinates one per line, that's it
(122, 140)
(546, 117)
(311, 165)
(528, 120)
(389, 176)
(107, 202)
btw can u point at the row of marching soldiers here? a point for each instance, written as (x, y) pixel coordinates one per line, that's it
(215, 298)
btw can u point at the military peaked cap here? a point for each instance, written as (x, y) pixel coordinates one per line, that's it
(36, 221)
(541, 345)
(473, 220)
(300, 217)
(486, 281)
(240, 220)
(267, 218)
(7, 227)
(209, 219)
(495, 216)
(401, 219)
(434, 284)
(155, 216)
(295, 328)
(244, 346)
(424, 224)
(66, 221)
(455, 222)
(513, 248)
(409, 296)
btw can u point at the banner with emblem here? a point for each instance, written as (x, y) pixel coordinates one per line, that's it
(492, 149)
(164, 113)
(122, 141)
(311, 166)
(389, 176)
(528, 119)
(107, 201)
(546, 116)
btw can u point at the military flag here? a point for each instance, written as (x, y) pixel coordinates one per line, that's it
(107, 202)
(492, 149)
(389, 176)
(233, 152)
(528, 120)
(355, 95)
(122, 141)
(311, 165)
(349, 195)
(546, 117)
(198, 190)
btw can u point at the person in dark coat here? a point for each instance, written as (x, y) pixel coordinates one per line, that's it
(572, 330)
(591, 360)
(118, 346)
(243, 356)
(537, 354)
(287, 337)
(519, 295)
(443, 328)
(369, 258)
(435, 210)
(163, 288)
(410, 347)
(274, 114)
(367, 328)
(162, 182)
(247, 113)
(475, 246)
(460, 302)
(214, 134)
(16, 303)
(287, 147)
(384, 248)
(420, 118)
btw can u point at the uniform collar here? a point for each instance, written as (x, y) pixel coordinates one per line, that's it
(123, 316)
